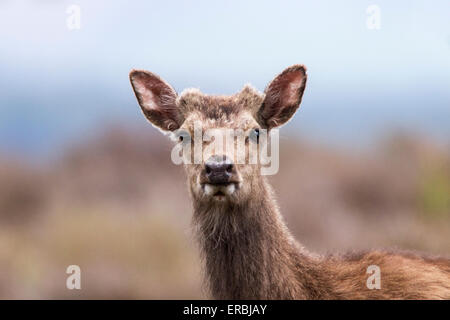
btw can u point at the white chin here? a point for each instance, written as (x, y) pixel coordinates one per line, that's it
(219, 191)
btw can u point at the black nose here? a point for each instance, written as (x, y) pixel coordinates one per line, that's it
(218, 169)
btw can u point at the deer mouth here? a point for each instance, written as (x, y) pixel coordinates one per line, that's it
(219, 190)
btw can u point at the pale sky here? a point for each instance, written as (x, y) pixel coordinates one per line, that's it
(56, 84)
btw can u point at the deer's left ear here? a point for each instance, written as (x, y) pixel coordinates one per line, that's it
(283, 97)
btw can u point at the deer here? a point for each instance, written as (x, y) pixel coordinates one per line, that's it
(246, 248)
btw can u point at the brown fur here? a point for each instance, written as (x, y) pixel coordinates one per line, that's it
(247, 250)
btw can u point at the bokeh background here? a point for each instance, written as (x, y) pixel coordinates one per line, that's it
(85, 180)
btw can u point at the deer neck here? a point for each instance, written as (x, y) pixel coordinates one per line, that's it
(248, 251)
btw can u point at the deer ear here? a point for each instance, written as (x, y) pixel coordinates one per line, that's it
(283, 97)
(157, 100)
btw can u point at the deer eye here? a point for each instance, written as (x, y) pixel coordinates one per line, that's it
(254, 135)
(184, 136)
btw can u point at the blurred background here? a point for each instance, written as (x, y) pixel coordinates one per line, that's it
(85, 180)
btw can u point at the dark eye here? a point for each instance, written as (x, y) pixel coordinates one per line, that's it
(184, 136)
(254, 135)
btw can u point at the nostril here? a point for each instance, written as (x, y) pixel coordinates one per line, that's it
(218, 170)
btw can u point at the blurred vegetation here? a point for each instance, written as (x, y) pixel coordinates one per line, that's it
(115, 205)
(435, 191)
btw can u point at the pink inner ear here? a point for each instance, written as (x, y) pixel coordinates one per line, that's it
(157, 99)
(147, 97)
(283, 96)
(291, 92)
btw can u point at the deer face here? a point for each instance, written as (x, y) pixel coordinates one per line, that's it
(218, 134)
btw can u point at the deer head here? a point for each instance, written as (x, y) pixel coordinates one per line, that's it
(224, 175)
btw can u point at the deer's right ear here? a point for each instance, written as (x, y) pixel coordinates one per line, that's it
(157, 100)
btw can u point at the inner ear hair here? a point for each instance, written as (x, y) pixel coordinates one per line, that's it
(157, 100)
(283, 96)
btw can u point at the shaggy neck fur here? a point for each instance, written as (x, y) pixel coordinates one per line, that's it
(249, 253)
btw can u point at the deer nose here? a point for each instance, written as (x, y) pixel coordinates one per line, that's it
(218, 169)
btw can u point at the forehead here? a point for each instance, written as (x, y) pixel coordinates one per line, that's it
(234, 111)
